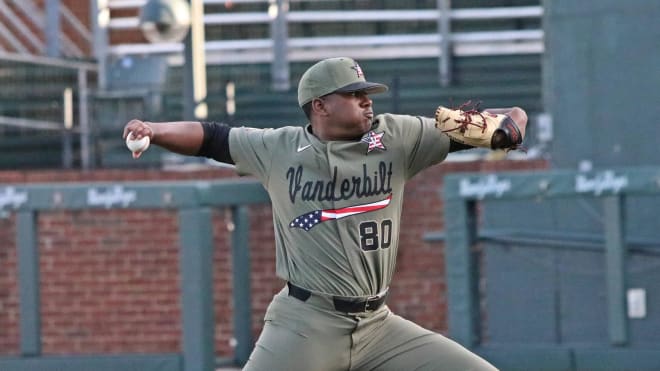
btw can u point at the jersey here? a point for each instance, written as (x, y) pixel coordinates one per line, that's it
(337, 204)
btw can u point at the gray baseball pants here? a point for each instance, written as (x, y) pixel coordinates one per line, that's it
(313, 336)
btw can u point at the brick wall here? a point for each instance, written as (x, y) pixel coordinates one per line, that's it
(110, 278)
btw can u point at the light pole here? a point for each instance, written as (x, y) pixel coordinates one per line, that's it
(173, 21)
(194, 78)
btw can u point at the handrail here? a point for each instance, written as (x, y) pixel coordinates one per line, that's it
(364, 47)
(69, 47)
(33, 124)
(25, 31)
(11, 39)
(67, 44)
(80, 28)
(129, 4)
(47, 61)
(35, 16)
(430, 15)
(307, 42)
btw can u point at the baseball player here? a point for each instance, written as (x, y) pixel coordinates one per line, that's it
(336, 187)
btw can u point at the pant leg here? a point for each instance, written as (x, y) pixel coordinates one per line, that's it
(387, 342)
(300, 337)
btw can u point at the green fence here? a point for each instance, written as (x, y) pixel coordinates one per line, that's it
(194, 201)
(624, 343)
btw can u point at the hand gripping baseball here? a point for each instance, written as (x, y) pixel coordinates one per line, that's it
(479, 129)
(137, 146)
(137, 135)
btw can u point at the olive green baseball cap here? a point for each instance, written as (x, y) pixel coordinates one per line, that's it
(334, 75)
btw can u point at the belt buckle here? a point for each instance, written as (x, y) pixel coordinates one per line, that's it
(367, 304)
(370, 300)
(364, 307)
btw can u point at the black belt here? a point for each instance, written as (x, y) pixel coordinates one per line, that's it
(371, 303)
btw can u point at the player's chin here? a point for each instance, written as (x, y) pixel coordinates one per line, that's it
(366, 123)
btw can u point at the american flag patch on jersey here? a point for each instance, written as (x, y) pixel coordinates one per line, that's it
(374, 140)
(309, 220)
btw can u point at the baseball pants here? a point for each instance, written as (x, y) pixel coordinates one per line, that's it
(313, 336)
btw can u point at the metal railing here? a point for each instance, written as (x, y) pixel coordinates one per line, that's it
(275, 48)
(386, 46)
(35, 24)
(67, 126)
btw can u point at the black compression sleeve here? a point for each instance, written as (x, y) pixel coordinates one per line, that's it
(216, 142)
(456, 146)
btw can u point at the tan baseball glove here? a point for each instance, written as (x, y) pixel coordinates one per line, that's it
(479, 129)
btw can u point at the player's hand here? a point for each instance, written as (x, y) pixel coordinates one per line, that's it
(138, 130)
(517, 114)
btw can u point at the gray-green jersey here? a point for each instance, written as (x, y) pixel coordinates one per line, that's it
(337, 204)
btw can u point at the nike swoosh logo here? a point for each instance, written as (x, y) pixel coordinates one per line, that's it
(300, 149)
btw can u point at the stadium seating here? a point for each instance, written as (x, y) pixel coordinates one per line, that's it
(495, 80)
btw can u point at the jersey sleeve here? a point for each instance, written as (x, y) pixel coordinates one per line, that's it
(423, 144)
(250, 151)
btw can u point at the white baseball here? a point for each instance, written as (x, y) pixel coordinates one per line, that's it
(139, 145)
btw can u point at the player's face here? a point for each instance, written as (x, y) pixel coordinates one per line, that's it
(349, 115)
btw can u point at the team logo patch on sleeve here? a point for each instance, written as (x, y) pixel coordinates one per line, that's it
(309, 220)
(374, 140)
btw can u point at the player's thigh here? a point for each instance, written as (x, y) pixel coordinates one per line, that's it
(296, 337)
(403, 345)
(281, 349)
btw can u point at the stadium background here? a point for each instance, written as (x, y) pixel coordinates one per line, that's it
(109, 279)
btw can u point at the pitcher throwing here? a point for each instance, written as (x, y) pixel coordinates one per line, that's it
(336, 187)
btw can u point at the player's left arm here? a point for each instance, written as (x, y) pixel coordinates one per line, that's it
(456, 146)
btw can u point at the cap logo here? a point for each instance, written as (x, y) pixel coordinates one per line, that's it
(358, 69)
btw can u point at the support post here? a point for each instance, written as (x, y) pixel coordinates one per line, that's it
(242, 288)
(83, 117)
(615, 273)
(196, 267)
(28, 281)
(194, 74)
(53, 29)
(461, 270)
(99, 19)
(278, 10)
(444, 30)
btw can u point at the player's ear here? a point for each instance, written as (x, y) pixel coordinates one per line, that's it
(318, 106)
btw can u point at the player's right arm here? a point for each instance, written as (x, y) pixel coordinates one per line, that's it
(191, 138)
(183, 137)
